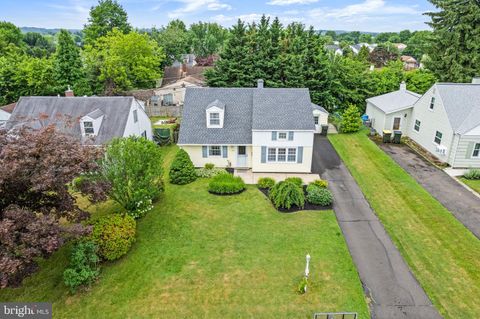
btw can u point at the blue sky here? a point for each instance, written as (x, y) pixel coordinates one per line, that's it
(364, 15)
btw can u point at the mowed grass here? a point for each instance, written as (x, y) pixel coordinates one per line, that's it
(442, 253)
(473, 184)
(199, 255)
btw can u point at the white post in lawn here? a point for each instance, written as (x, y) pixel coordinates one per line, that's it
(307, 270)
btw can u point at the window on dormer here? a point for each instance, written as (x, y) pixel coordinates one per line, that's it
(88, 128)
(214, 118)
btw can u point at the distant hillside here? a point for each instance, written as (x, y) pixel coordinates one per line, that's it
(343, 31)
(45, 31)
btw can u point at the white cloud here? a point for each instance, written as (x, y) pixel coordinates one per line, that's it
(194, 6)
(364, 9)
(290, 2)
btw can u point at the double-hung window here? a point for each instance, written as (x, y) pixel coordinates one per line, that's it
(272, 154)
(214, 118)
(432, 103)
(316, 120)
(282, 135)
(282, 155)
(292, 154)
(214, 151)
(88, 128)
(417, 125)
(438, 137)
(476, 150)
(135, 116)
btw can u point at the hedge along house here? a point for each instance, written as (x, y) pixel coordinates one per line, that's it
(262, 129)
(93, 120)
(446, 122)
(392, 111)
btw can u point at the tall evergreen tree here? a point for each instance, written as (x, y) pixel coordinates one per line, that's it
(104, 17)
(68, 64)
(455, 47)
(232, 69)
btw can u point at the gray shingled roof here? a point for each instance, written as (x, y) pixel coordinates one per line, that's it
(246, 109)
(462, 105)
(65, 113)
(217, 104)
(394, 101)
(318, 107)
(95, 114)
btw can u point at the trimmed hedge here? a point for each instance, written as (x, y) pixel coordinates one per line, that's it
(226, 184)
(182, 170)
(319, 196)
(287, 194)
(114, 235)
(209, 166)
(265, 182)
(295, 180)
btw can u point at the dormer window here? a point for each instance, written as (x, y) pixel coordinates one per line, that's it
(88, 128)
(215, 113)
(214, 119)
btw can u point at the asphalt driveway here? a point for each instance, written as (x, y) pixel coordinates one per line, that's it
(393, 290)
(464, 205)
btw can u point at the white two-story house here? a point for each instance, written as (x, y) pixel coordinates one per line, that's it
(93, 120)
(262, 129)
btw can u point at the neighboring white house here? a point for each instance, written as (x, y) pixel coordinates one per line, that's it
(446, 122)
(392, 111)
(320, 117)
(94, 120)
(5, 113)
(263, 129)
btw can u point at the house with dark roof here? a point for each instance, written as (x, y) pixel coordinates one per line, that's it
(446, 122)
(93, 120)
(262, 129)
(391, 111)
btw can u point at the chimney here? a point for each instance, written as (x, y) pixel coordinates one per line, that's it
(69, 92)
(259, 84)
(403, 86)
(476, 80)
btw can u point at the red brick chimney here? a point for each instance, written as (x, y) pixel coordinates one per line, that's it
(69, 92)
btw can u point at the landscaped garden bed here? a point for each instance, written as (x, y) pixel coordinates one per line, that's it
(296, 196)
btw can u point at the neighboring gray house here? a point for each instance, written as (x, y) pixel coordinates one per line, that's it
(446, 122)
(262, 129)
(392, 111)
(94, 120)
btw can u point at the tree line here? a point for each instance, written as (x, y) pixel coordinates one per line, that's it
(111, 57)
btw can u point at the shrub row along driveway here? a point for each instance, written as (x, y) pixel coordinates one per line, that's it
(456, 198)
(393, 290)
(442, 254)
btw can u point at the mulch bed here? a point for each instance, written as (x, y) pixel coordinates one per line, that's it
(295, 209)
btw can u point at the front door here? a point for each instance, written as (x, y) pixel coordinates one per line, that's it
(242, 156)
(396, 123)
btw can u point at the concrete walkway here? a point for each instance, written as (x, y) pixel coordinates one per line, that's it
(386, 278)
(461, 202)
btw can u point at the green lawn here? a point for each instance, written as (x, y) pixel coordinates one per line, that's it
(473, 184)
(442, 253)
(199, 255)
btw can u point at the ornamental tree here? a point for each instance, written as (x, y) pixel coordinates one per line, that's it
(351, 121)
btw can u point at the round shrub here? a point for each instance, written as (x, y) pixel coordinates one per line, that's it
(295, 180)
(226, 184)
(266, 182)
(287, 194)
(182, 170)
(319, 196)
(209, 166)
(114, 235)
(320, 183)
